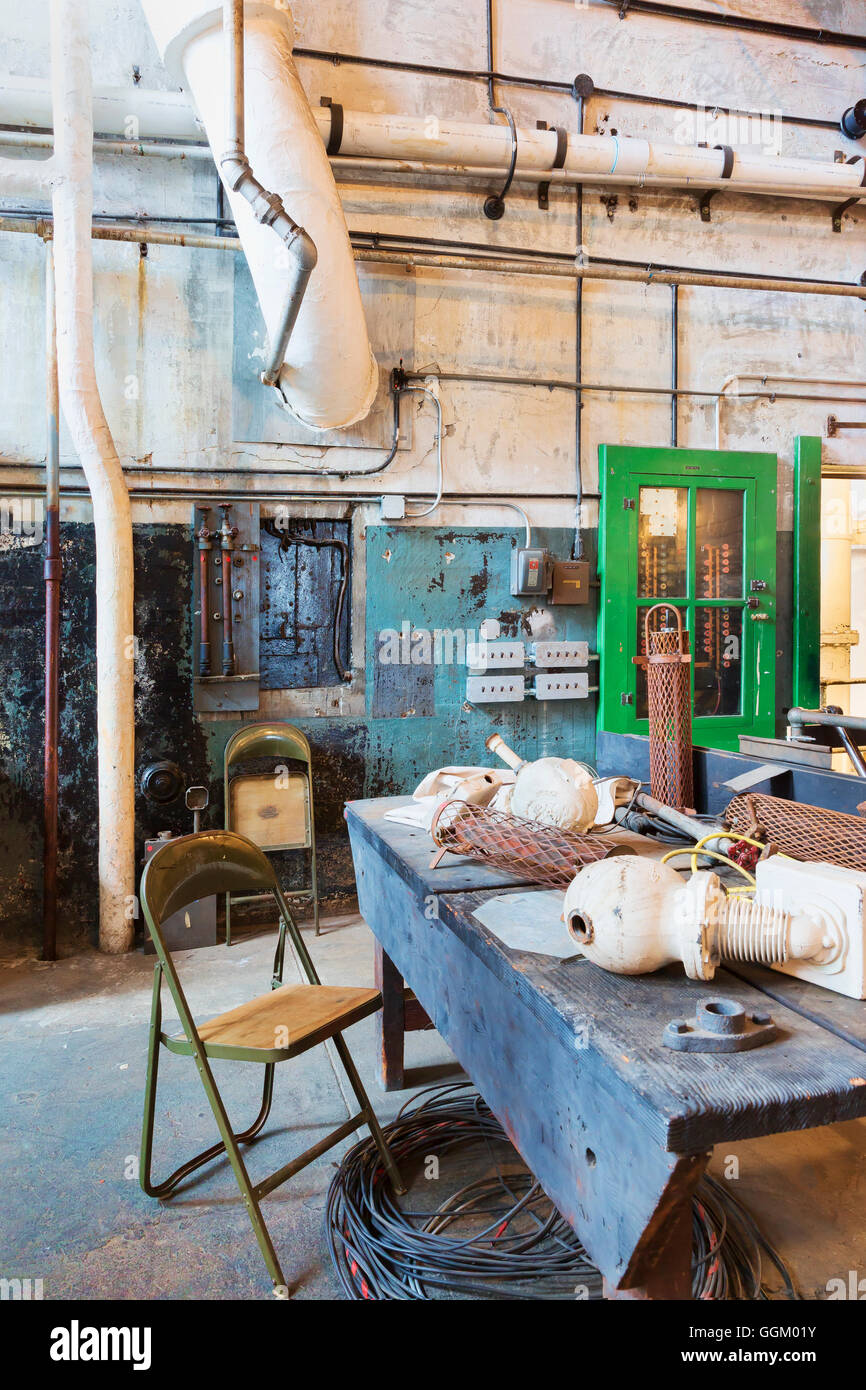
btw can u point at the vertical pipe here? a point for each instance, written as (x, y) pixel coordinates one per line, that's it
(52, 572)
(91, 438)
(577, 551)
(227, 541)
(675, 362)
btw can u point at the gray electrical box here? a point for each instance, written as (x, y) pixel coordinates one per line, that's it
(530, 572)
(192, 926)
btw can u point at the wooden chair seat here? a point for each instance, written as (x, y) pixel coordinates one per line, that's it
(283, 1022)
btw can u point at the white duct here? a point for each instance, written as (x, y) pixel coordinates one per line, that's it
(68, 176)
(330, 376)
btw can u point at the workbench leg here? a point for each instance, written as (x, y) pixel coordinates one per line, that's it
(661, 1265)
(390, 1021)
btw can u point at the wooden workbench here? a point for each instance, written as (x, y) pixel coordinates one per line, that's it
(617, 1127)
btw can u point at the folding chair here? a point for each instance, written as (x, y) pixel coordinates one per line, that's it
(275, 815)
(278, 1025)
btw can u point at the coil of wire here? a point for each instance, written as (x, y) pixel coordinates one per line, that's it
(499, 1235)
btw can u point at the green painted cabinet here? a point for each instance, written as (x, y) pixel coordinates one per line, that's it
(696, 529)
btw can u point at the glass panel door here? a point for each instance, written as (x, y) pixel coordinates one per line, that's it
(706, 544)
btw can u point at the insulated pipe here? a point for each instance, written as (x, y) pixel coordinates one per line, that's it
(88, 429)
(53, 575)
(586, 158)
(331, 377)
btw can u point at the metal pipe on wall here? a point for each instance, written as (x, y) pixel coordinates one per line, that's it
(53, 577)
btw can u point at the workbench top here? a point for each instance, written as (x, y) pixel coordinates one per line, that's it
(812, 1074)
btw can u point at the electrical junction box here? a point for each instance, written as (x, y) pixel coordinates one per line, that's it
(392, 506)
(495, 689)
(530, 572)
(495, 656)
(560, 655)
(561, 685)
(193, 926)
(570, 581)
(833, 895)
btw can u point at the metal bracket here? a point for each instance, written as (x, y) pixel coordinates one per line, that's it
(558, 162)
(720, 1025)
(335, 137)
(839, 212)
(834, 425)
(727, 170)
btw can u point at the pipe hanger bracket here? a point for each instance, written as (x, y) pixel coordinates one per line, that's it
(727, 170)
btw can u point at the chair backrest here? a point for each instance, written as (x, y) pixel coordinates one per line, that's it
(267, 741)
(276, 815)
(197, 866)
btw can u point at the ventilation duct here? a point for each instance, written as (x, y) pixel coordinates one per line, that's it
(330, 377)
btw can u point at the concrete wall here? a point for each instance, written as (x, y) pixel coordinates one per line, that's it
(165, 337)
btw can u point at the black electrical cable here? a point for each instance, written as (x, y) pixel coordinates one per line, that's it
(499, 1235)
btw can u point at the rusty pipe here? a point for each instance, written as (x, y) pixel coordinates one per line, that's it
(227, 544)
(52, 573)
(204, 538)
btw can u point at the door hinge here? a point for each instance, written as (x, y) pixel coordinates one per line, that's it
(626, 698)
(628, 504)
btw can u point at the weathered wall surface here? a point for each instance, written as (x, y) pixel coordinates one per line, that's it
(164, 339)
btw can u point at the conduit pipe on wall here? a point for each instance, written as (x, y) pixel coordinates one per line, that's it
(268, 207)
(331, 377)
(68, 176)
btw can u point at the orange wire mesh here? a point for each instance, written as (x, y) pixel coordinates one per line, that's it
(538, 853)
(804, 832)
(669, 701)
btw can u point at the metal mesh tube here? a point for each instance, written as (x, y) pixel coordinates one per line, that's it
(538, 853)
(804, 832)
(669, 702)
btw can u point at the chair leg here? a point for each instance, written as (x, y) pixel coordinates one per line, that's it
(369, 1114)
(229, 1140)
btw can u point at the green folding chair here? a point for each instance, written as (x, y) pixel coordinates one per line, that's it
(278, 1025)
(276, 814)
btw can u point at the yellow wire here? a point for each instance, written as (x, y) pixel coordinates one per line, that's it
(710, 854)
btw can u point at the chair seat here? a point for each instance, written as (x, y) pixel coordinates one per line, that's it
(283, 1022)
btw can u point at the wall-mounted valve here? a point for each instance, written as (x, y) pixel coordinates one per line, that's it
(633, 916)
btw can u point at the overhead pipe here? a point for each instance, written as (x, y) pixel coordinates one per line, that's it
(436, 144)
(68, 175)
(330, 377)
(774, 28)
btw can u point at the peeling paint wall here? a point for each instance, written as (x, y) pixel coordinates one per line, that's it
(164, 342)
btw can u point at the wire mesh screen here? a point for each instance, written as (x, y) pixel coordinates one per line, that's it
(804, 832)
(538, 853)
(669, 703)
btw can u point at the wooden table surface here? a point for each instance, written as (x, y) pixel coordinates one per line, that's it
(571, 1058)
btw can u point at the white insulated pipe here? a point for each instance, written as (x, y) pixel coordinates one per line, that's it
(91, 436)
(430, 144)
(585, 158)
(330, 376)
(68, 175)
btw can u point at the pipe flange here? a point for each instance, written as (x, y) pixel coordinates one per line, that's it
(720, 1025)
(700, 903)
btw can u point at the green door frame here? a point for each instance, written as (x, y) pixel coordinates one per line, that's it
(622, 471)
(807, 571)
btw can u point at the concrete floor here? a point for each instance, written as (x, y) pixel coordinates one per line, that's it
(73, 1038)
